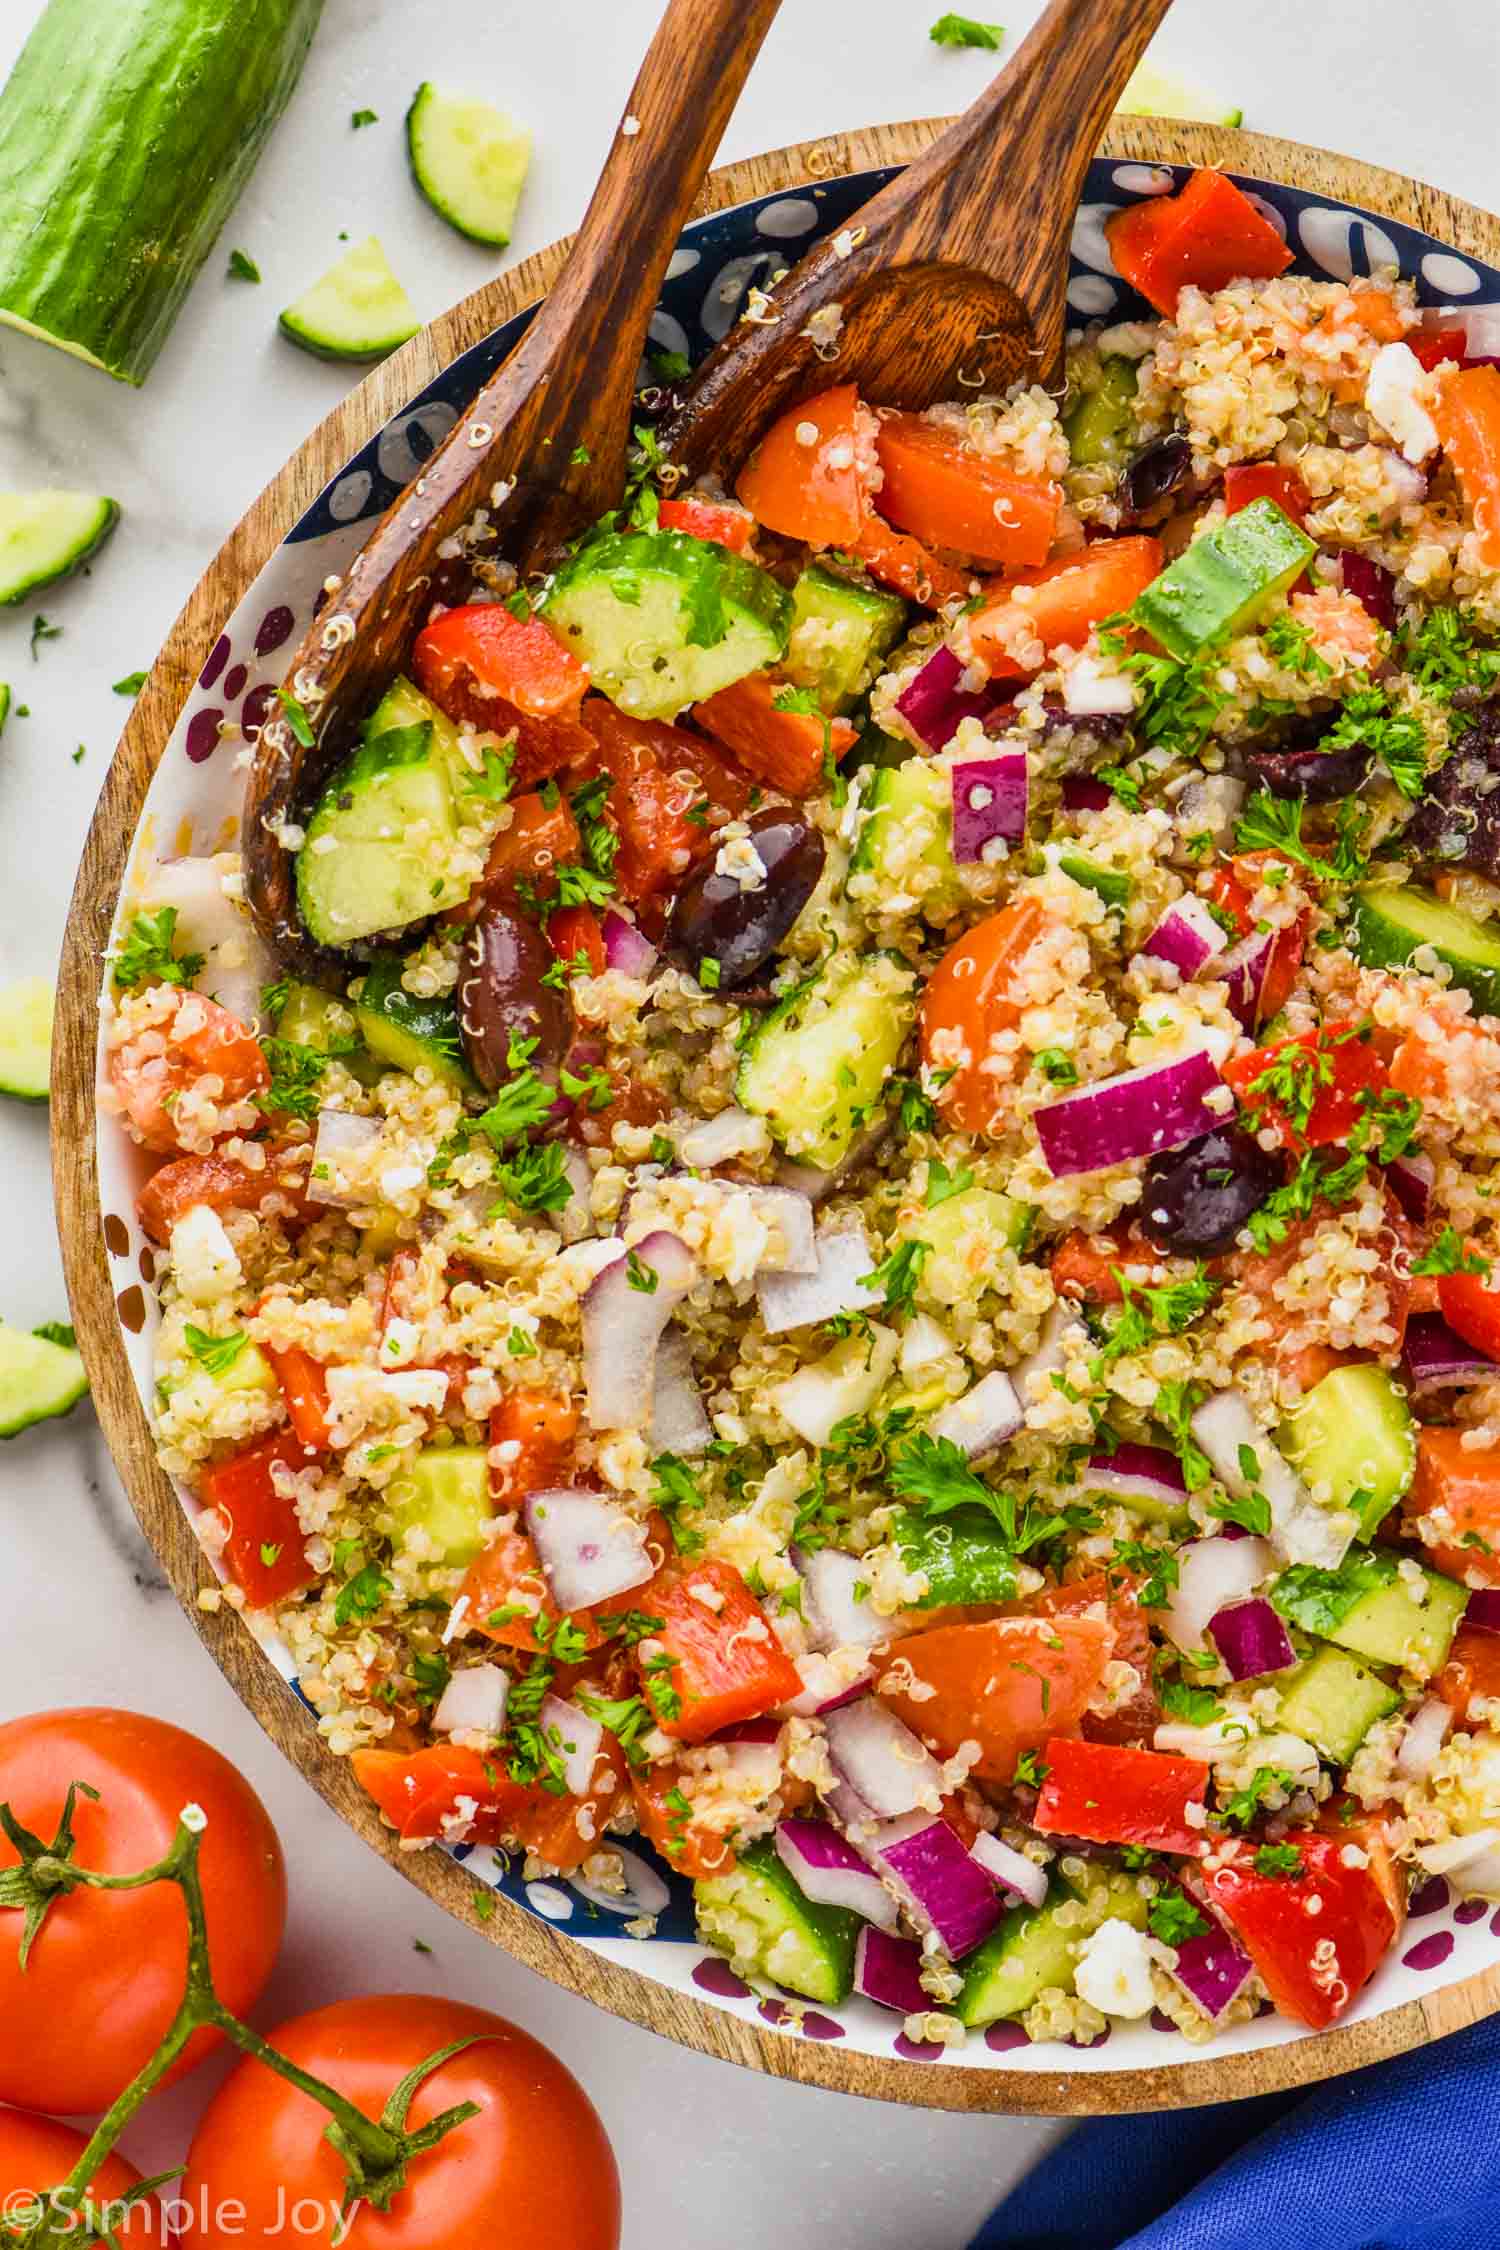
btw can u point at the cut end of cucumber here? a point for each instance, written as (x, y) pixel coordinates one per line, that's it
(38, 1379)
(1150, 92)
(74, 351)
(470, 160)
(4, 705)
(26, 1039)
(358, 310)
(45, 535)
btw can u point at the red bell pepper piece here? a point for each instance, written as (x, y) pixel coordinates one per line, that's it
(1266, 480)
(1468, 423)
(1005, 1683)
(1439, 347)
(1114, 1795)
(785, 749)
(664, 1808)
(1471, 1673)
(719, 1660)
(717, 520)
(670, 794)
(1065, 600)
(1316, 1101)
(304, 1386)
(899, 560)
(806, 479)
(264, 1552)
(574, 930)
(1206, 236)
(430, 1792)
(950, 495)
(1316, 1933)
(507, 675)
(1459, 1487)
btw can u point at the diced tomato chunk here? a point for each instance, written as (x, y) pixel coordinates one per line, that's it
(1471, 1674)
(1083, 1265)
(664, 1807)
(1324, 1092)
(717, 520)
(1007, 1683)
(575, 930)
(1468, 423)
(147, 1075)
(899, 560)
(1313, 1960)
(968, 1003)
(1438, 347)
(720, 1660)
(787, 750)
(264, 1552)
(1136, 1719)
(1205, 236)
(670, 794)
(221, 1183)
(506, 675)
(540, 839)
(1472, 1307)
(806, 478)
(531, 1443)
(445, 1791)
(1246, 481)
(951, 495)
(1061, 603)
(1459, 1485)
(1111, 1794)
(304, 1386)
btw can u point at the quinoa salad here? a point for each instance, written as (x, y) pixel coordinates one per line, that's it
(860, 1245)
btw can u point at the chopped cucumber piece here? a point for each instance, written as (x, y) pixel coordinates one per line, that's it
(313, 1018)
(1036, 1948)
(839, 634)
(39, 1378)
(905, 847)
(470, 160)
(1369, 1605)
(4, 705)
(760, 1917)
(1150, 92)
(1108, 882)
(1353, 1441)
(966, 1559)
(405, 1032)
(816, 1063)
(26, 1039)
(965, 1237)
(445, 1495)
(1098, 423)
(1332, 1701)
(663, 620)
(358, 310)
(1218, 585)
(378, 849)
(1392, 921)
(45, 535)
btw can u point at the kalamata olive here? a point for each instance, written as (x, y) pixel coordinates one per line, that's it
(501, 998)
(716, 918)
(1197, 1198)
(1096, 726)
(1151, 476)
(1458, 820)
(1319, 776)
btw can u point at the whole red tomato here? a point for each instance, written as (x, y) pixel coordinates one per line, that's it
(38, 2153)
(533, 2171)
(107, 1969)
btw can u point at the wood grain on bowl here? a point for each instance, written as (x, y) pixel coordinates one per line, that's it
(612, 1984)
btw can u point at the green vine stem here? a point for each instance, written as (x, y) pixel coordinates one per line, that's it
(375, 2152)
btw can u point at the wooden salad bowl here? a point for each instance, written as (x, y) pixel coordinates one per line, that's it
(1210, 2076)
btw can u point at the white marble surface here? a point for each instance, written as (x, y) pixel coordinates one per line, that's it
(707, 2154)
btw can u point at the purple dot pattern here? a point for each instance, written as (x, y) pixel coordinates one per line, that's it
(774, 2011)
(257, 706)
(274, 628)
(1076, 2039)
(1161, 2022)
(817, 2026)
(1428, 1898)
(1471, 1910)
(717, 1977)
(218, 657)
(918, 2050)
(203, 734)
(1429, 1952)
(1003, 2038)
(234, 682)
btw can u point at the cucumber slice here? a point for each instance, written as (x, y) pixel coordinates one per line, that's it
(1036, 1948)
(1353, 1437)
(445, 1495)
(39, 1378)
(816, 1064)
(839, 634)
(1108, 882)
(358, 310)
(758, 1915)
(1369, 1606)
(405, 1032)
(378, 848)
(1097, 424)
(46, 535)
(4, 705)
(1218, 585)
(26, 1039)
(965, 1237)
(1333, 1700)
(311, 1018)
(966, 1559)
(470, 160)
(905, 847)
(663, 620)
(1150, 92)
(1391, 921)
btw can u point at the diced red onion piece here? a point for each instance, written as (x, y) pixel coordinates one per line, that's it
(622, 1327)
(1141, 1471)
(1140, 1113)
(942, 1887)
(473, 1702)
(1187, 937)
(339, 1134)
(831, 1872)
(1483, 1612)
(856, 1819)
(797, 1300)
(1301, 1531)
(575, 1737)
(588, 1547)
(1082, 793)
(825, 1686)
(1208, 805)
(1252, 1639)
(888, 1969)
(715, 1140)
(1411, 1179)
(836, 1614)
(1243, 969)
(1372, 586)
(982, 1420)
(679, 1423)
(1435, 1358)
(934, 703)
(1211, 1574)
(989, 802)
(1013, 1869)
(1063, 1334)
(882, 1760)
(791, 1214)
(1211, 1969)
(625, 947)
(1423, 1739)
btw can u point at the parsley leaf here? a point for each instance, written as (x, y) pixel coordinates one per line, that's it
(296, 1073)
(363, 117)
(964, 31)
(676, 1494)
(214, 1354)
(132, 684)
(897, 1275)
(146, 956)
(1278, 1860)
(942, 1184)
(535, 1179)
(1145, 1313)
(361, 1595)
(42, 631)
(1448, 1255)
(1195, 1706)
(296, 717)
(1242, 1807)
(1174, 1919)
(241, 267)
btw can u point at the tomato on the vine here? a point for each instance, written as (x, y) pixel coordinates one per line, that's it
(106, 1969)
(533, 2170)
(37, 2153)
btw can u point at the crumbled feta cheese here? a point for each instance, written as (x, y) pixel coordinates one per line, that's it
(203, 1257)
(1398, 395)
(398, 1346)
(1091, 686)
(418, 1389)
(1114, 1971)
(738, 861)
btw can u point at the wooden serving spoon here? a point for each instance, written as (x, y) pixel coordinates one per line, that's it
(954, 277)
(542, 446)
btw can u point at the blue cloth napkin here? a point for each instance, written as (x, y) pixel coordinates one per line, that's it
(1401, 2157)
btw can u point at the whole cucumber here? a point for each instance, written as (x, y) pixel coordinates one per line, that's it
(128, 129)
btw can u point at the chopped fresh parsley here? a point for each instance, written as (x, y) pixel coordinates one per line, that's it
(676, 1494)
(296, 1073)
(1174, 1919)
(641, 1276)
(942, 1184)
(296, 717)
(1146, 1313)
(42, 631)
(1195, 1706)
(915, 1110)
(361, 1595)
(1278, 1860)
(535, 1179)
(1448, 1255)
(1055, 1066)
(132, 684)
(1031, 1770)
(897, 1275)
(964, 31)
(363, 117)
(1398, 739)
(1274, 824)
(146, 956)
(1242, 1807)
(241, 267)
(492, 782)
(1176, 1403)
(214, 1354)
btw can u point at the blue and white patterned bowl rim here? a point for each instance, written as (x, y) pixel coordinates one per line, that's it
(192, 805)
